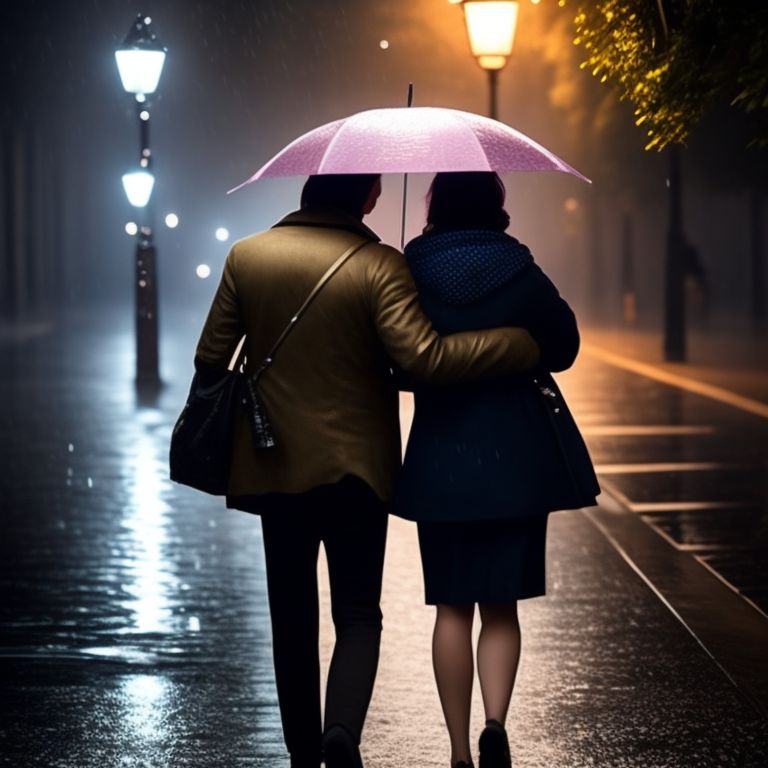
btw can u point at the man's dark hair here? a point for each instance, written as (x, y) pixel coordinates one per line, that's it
(467, 200)
(346, 191)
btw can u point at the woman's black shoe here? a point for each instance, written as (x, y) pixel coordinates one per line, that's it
(494, 746)
(340, 749)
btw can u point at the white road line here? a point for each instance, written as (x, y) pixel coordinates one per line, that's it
(684, 466)
(683, 382)
(611, 491)
(730, 586)
(664, 535)
(703, 548)
(687, 506)
(641, 430)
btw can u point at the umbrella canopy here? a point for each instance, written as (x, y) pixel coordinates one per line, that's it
(411, 140)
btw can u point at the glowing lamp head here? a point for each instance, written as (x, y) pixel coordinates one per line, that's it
(491, 28)
(140, 58)
(138, 187)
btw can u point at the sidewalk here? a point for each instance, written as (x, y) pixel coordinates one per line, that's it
(696, 472)
(609, 676)
(133, 623)
(735, 361)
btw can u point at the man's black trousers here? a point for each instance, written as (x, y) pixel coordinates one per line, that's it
(351, 522)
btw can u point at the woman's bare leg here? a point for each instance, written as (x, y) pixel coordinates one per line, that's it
(498, 654)
(454, 667)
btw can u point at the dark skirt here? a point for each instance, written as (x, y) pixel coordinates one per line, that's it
(483, 561)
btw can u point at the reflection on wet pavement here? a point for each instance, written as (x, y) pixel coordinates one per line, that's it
(123, 596)
(716, 457)
(146, 523)
(713, 528)
(133, 620)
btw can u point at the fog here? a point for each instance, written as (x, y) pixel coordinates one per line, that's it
(242, 79)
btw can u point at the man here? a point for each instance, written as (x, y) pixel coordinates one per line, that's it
(334, 410)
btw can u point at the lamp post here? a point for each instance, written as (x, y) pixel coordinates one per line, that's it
(491, 28)
(140, 60)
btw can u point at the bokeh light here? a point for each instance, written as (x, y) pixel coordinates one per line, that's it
(203, 271)
(131, 228)
(172, 221)
(222, 234)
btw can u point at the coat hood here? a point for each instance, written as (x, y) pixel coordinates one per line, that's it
(462, 266)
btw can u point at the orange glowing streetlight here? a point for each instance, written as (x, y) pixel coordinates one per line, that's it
(491, 28)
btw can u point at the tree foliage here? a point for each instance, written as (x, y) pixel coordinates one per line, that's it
(592, 123)
(675, 59)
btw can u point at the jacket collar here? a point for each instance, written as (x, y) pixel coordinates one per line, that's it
(332, 218)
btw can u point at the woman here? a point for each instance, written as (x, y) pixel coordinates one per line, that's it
(487, 462)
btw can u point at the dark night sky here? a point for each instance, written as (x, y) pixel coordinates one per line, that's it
(244, 78)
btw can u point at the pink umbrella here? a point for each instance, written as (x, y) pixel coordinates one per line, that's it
(411, 140)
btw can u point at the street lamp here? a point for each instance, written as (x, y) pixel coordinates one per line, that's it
(138, 187)
(491, 29)
(140, 60)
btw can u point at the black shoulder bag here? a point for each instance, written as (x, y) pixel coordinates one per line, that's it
(201, 442)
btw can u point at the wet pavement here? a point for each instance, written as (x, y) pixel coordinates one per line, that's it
(133, 623)
(694, 468)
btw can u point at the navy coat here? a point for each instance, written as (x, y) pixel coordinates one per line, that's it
(502, 449)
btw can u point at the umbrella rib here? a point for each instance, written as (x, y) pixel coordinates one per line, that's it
(284, 151)
(301, 138)
(329, 147)
(477, 141)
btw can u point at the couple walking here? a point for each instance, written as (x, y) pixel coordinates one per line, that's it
(468, 322)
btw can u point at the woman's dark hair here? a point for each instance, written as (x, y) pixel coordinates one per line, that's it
(347, 191)
(466, 200)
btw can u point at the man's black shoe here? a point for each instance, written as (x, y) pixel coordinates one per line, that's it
(340, 749)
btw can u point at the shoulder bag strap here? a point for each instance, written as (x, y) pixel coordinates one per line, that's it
(329, 273)
(238, 356)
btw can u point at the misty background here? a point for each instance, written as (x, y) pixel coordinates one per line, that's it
(242, 79)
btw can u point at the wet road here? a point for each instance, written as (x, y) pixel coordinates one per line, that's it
(694, 468)
(133, 616)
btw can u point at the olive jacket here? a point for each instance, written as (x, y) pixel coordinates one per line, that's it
(330, 394)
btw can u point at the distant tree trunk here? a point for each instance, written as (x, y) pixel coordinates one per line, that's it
(33, 223)
(6, 219)
(49, 227)
(25, 259)
(757, 258)
(595, 262)
(627, 278)
(69, 253)
(674, 288)
(17, 223)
